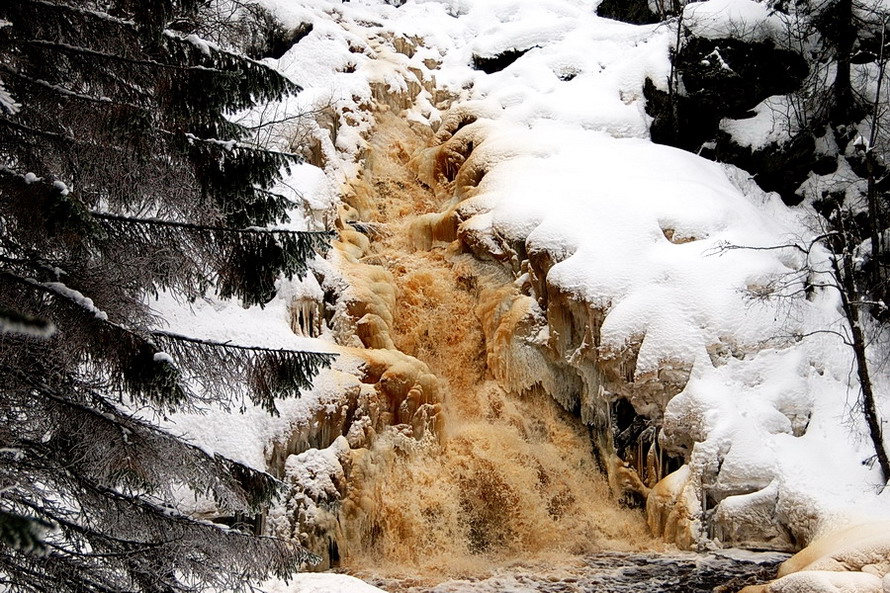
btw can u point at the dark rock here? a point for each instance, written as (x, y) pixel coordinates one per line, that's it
(776, 167)
(281, 40)
(734, 76)
(492, 64)
(267, 38)
(628, 11)
(678, 120)
(721, 78)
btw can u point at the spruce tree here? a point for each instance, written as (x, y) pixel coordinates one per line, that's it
(120, 176)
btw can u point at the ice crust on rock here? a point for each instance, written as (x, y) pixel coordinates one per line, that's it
(854, 559)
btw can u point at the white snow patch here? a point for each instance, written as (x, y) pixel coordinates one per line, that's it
(78, 298)
(7, 102)
(827, 582)
(163, 357)
(747, 20)
(774, 120)
(307, 582)
(61, 187)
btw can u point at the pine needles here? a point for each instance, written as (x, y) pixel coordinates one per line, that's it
(121, 175)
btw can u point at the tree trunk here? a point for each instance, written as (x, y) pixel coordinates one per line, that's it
(844, 40)
(847, 287)
(874, 228)
(876, 222)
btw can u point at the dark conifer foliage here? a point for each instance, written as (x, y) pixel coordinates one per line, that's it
(120, 176)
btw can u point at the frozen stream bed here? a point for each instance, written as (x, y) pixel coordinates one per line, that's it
(613, 572)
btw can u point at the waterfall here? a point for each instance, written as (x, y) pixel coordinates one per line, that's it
(470, 459)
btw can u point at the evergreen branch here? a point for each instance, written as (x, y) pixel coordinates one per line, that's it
(117, 521)
(205, 342)
(270, 372)
(58, 518)
(247, 261)
(210, 46)
(139, 367)
(16, 323)
(283, 120)
(104, 100)
(22, 533)
(66, 47)
(144, 548)
(103, 16)
(279, 196)
(232, 144)
(141, 455)
(120, 357)
(309, 235)
(239, 58)
(43, 574)
(36, 131)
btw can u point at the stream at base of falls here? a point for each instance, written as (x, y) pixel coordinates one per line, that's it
(611, 572)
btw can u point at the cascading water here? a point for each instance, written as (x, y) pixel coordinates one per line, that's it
(497, 474)
(454, 457)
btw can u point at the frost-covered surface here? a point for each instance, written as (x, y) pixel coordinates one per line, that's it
(852, 560)
(7, 103)
(636, 229)
(319, 583)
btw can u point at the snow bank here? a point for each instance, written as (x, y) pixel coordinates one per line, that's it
(319, 583)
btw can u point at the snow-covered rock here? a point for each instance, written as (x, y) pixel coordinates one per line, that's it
(855, 559)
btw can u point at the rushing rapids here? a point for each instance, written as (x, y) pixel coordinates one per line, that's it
(466, 467)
